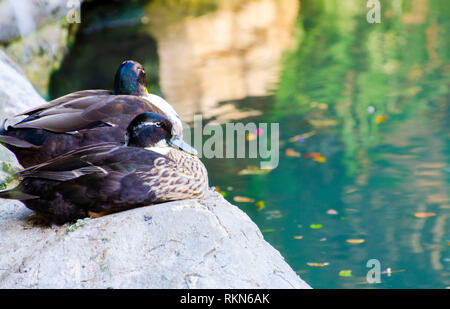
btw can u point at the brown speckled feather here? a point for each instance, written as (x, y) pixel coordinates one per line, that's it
(109, 176)
(183, 176)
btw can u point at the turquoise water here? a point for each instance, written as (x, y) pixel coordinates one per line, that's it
(372, 99)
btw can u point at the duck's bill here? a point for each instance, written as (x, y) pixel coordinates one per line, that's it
(180, 144)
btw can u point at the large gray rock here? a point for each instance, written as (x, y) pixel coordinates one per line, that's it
(17, 94)
(185, 244)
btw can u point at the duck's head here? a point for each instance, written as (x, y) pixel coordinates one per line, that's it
(154, 131)
(130, 79)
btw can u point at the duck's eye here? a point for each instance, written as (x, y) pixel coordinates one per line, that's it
(158, 124)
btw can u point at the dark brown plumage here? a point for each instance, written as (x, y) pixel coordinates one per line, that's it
(110, 176)
(84, 118)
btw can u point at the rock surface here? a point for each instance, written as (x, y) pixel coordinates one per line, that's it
(35, 34)
(185, 244)
(17, 94)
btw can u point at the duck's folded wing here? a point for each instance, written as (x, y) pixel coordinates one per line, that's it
(71, 165)
(67, 98)
(117, 106)
(83, 112)
(17, 142)
(98, 159)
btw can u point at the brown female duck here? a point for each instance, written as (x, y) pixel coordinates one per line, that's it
(85, 117)
(152, 167)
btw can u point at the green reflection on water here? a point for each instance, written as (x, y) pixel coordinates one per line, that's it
(376, 174)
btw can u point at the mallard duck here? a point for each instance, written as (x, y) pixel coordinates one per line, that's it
(85, 117)
(153, 166)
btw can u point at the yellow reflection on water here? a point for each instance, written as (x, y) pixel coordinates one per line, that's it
(228, 54)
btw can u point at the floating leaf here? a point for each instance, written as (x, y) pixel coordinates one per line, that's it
(298, 237)
(223, 193)
(380, 119)
(332, 212)
(323, 239)
(424, 214)
(305, 123)
(311, 264)
(254, 170)
(389, 271)
(345, 273)
(312, 154)
(267, 230)
(322, 106)
(323, 122)
(243, 199)
(261, 205)
(320, 159)
(301, 137)
(273, 214)
(316, 226)
(292, 153)
(355, 241)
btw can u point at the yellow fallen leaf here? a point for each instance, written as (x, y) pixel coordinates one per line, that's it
(298, 237)
(292, 153)
(311, 264)
(320, 159)
(355, 241)
(268, 230)
(345, 273)
(380, 119)
(323, 122)
(243, 199)
(261, 205)
(424, 214)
